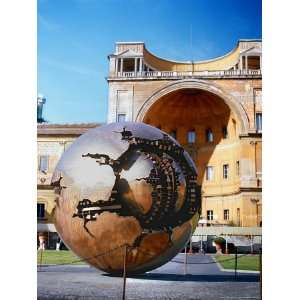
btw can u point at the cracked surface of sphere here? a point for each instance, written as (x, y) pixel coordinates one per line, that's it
(126, 184)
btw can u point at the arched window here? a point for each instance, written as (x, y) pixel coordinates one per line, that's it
(191, 137)
(209, 135)
(224, 132)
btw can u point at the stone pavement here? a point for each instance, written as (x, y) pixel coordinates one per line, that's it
(203, 281)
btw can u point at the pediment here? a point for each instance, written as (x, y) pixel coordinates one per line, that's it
(252, 51)
(128, 53)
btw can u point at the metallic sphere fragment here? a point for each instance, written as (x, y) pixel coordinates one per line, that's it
(126, 184)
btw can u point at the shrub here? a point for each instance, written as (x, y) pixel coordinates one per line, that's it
(219, 240)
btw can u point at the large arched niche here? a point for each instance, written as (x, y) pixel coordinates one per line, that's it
(193, 105)
(194, 84)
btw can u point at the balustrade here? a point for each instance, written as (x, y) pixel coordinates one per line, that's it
(175, 74)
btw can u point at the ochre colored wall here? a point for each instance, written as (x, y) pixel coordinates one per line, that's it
(54, 148)
(222, 63)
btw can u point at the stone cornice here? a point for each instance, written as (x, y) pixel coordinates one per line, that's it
(64, 129)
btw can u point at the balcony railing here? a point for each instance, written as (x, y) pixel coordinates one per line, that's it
(195, 74)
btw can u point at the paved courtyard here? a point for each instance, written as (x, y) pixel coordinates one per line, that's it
(203, 281)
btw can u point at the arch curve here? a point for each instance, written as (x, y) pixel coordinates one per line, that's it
(234, 105)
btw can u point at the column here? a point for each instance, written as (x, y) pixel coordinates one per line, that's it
(246, 62)
(117, 65)
(260, 62)
(241, 63)
(141, 65)
(135, 66)
(121, 70)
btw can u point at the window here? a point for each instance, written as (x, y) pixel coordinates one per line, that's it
(225, 132)
(210, 215)
(121, 117)
(209, 173)
(43, 163)
(225, 171)
(128, 64)
(253, 62)
(226, 214)
(209, 135)
(258, 121)
(41, 210)
(237, 167)
(173, 134)
(191, 136)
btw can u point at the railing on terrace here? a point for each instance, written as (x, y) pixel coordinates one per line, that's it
(175, 74)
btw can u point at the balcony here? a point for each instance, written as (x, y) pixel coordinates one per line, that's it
(154, 75)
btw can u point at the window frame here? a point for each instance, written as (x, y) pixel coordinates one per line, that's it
(207, 178)
(225, 171)
(40, 163)
(121, 114)
(43, 205)
(191, 133)
(225, 133)
(258, 125)
(226, 214)
(210, 215)
(209, 135)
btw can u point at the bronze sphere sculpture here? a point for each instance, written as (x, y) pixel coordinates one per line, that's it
(126, 184)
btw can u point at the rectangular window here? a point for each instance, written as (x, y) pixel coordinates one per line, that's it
(121, 117)
(43, 163)
(225, 171)
(40, 210)
(209, 173)
(226, 214)
(258, 122)
(237, 167)
(191, 136)
(210, 215)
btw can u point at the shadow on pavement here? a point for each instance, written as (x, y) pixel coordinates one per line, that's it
(196, 278)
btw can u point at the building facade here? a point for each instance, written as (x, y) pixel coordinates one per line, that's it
(213, 108)
(52, 142)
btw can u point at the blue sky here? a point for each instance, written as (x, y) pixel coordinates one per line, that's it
(75, 37)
